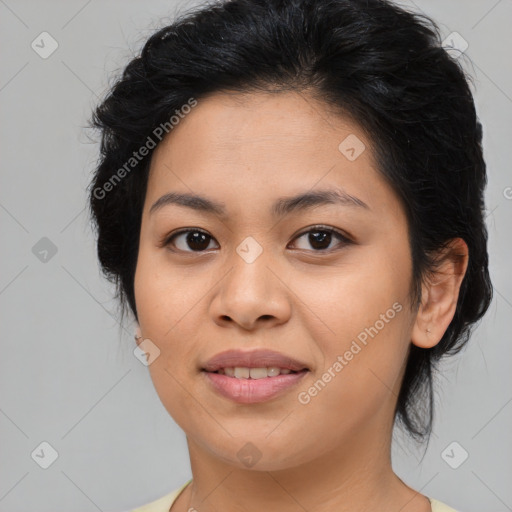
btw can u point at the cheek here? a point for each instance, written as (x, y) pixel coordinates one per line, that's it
(171, 372)
(364, 320)
(355, 297)
(165, 301)
(162, 292)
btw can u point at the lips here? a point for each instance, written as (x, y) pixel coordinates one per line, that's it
(253, 359)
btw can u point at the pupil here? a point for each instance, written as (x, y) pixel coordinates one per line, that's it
(196, 240)
(319, 237)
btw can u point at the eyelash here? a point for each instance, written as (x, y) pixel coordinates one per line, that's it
(323, 229)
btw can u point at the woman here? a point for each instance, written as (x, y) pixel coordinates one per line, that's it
(290, 202)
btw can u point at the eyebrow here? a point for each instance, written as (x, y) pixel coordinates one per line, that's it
(282, 206)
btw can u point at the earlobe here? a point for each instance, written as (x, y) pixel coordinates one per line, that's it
(138, 333)
(440, 294)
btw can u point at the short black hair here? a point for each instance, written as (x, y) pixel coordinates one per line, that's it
(379, 64)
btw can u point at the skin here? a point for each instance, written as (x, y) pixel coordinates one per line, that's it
(332, 453)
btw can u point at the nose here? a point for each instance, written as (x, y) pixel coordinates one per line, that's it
(252, 295)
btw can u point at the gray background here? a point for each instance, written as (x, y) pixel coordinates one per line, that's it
(69, 378)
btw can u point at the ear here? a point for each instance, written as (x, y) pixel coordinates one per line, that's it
(439, 295)
(138, 334)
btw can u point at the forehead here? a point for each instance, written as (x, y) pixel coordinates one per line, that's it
(254, 147)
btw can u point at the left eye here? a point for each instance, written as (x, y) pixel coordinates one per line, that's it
(320, 238)
(197, 240)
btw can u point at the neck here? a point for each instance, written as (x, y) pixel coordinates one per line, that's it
(357, 475)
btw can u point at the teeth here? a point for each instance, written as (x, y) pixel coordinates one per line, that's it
(273, 371)
(240, 372)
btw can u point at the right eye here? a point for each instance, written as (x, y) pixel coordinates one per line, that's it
(196, 239)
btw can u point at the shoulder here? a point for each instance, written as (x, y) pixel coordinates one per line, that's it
(162, 504)
(438, 506)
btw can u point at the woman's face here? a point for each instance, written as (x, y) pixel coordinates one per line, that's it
(263, 275)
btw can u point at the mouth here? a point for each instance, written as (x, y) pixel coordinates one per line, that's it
(253, 377)
(250, 390)
(241, 372)
(253, 364)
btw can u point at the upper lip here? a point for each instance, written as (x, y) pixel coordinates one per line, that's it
(253, 359)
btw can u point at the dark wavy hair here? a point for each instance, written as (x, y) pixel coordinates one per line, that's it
(371, 60)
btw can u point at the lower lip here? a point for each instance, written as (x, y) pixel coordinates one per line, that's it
(251, 391)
